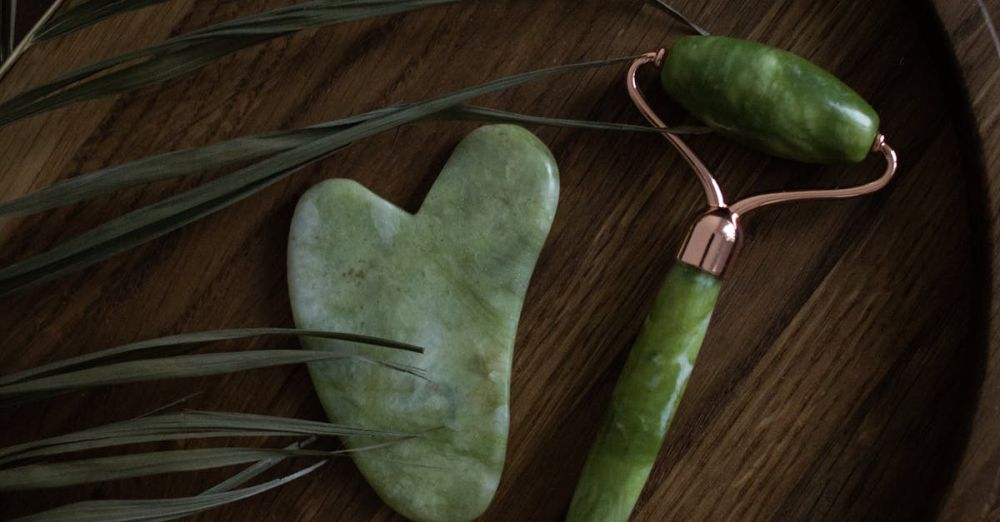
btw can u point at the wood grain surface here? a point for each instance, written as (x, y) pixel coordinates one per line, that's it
(840, 377)
(975, 493)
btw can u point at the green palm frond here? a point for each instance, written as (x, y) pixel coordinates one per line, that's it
(103, 469)
(678, 15)
(8, 28)
(165, 358)
(88, 13)
(186, 343)
(153, 221)
(219, 155)
(178, 367)
(183, 426)
(191, 51)
(157, 509)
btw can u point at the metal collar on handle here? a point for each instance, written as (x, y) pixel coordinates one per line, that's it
(714, 237)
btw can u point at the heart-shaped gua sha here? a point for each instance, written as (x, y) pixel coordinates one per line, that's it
(452, 279)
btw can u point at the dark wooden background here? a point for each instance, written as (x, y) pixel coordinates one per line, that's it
(839, 380)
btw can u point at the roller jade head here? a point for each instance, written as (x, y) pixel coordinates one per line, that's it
(769, 100)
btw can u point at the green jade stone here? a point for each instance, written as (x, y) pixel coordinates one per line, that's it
(646, 397)
(770, 100)
(452, 279)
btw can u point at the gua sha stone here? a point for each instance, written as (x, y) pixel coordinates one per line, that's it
(452, 279)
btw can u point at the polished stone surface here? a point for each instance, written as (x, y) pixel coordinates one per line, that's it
(451, 278)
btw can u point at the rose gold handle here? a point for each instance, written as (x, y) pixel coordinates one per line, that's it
(892, 164)
(712, 191)
(715, 234)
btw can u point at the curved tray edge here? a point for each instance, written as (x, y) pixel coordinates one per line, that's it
(975, 492)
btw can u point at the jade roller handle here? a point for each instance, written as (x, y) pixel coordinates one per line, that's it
(645, 398)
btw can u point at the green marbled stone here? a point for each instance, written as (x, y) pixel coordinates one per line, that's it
(451, 278)
(770, 99)
(646, 396)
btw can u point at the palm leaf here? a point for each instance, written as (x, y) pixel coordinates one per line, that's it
(677, 14)
(87, 14)
(172, 165)
(182, 426)
(185, 343)
(223, 154)
(253, 471)
(29, 39)
(191, 51)
(157, 509)
(102, 469)
(179, 367)
(171, 405)
(8, 28)
(470, 112)
(150, 222)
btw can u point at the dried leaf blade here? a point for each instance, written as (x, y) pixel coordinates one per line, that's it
(189, 52)
(185, 366)
(155, 220)
(162, 346)
(222, 154)
(157, 509)
(184, 426)
(89, 13)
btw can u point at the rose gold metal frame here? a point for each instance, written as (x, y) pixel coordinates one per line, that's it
(715, 235)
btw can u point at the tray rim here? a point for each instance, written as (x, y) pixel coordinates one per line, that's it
(974, 494)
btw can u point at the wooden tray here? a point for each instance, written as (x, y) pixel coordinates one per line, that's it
(851, 372)
(975, 492)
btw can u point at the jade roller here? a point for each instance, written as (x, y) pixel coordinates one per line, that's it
(767, 99)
